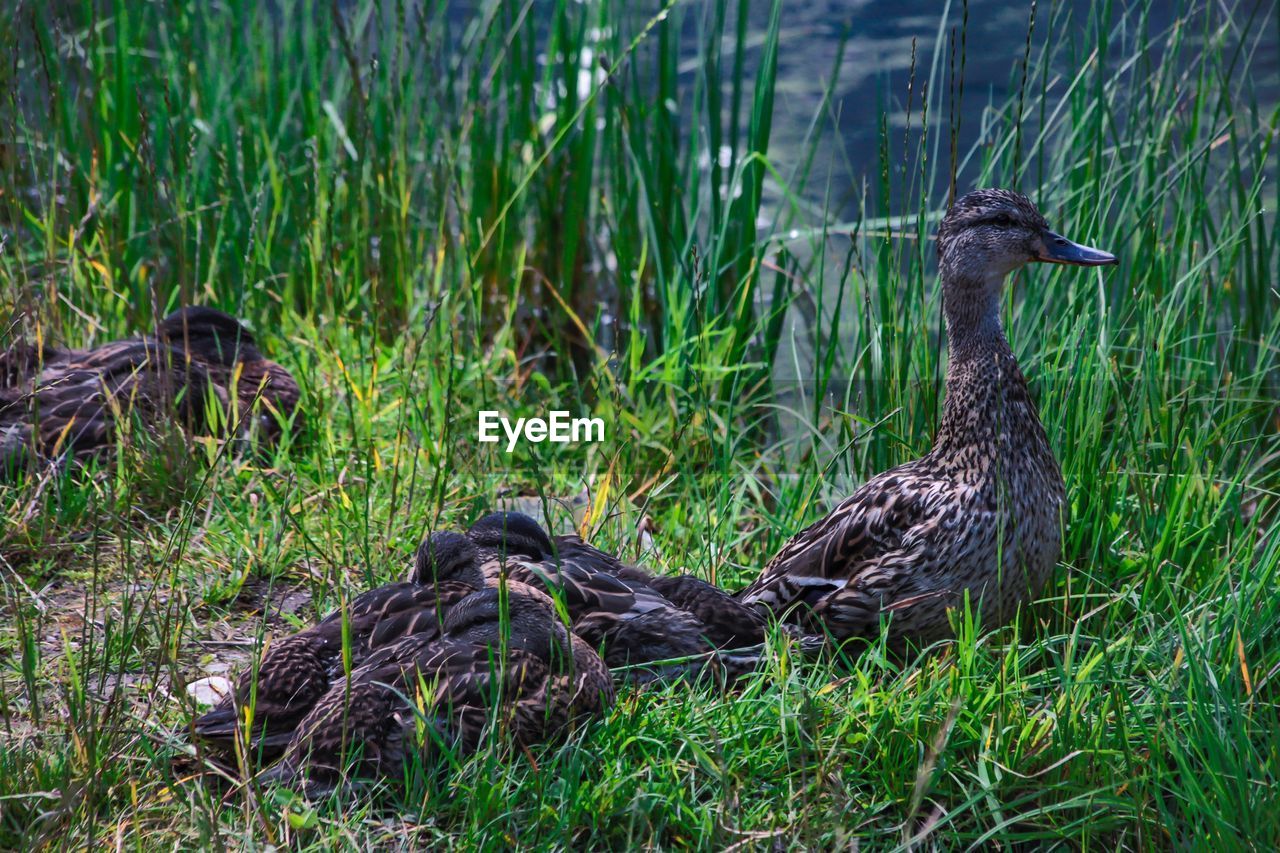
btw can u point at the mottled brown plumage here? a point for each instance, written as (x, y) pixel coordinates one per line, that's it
(504, 661)
(980, 514)
(296, 671)
(633, 617)
(726, 622)
(201, 368)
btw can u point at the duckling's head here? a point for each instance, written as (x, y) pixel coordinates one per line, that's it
(446, 556)
(526, 617)
(512, 533)
(989, 233)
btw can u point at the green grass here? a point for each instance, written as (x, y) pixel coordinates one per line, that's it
(421, 218)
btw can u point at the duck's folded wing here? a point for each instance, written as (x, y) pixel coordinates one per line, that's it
(298, 670)
(408, 698)
(572, 548)
(580, 585)
(727, 623)
(291, 678)
(75, 404)
(889, 513)
(388, 613)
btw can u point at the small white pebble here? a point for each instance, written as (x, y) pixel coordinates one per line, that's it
(209, 691)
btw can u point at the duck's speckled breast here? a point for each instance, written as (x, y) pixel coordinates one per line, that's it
(991, 438)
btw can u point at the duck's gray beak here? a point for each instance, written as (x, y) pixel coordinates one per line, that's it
(1056, 249)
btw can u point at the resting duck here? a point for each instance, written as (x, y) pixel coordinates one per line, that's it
(296, 671)
(64, 403)
(504, 659)
(632, 616)
(980, 514)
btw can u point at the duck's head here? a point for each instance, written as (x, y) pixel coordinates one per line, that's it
(512, 533)
(989, 233)
(525, 616)
(446, 556)
(209, 335)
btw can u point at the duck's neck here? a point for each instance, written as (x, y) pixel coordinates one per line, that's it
(986, 395)
(972, 310)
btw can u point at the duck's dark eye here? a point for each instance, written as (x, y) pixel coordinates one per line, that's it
(1004, 220)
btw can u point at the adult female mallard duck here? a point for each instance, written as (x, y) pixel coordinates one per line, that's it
(296, 671)
(980, 514)
(64, 403)
(504, 659)
(632, 616)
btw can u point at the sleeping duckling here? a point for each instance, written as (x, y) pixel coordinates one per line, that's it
(505, 660)
(202, 368)
(632, 616)
(296, 671)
